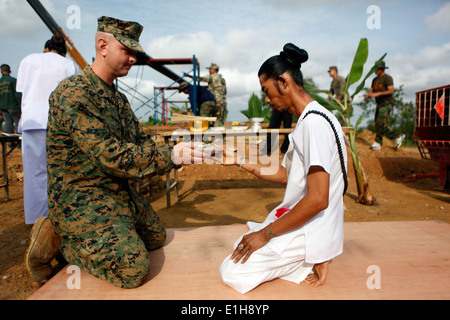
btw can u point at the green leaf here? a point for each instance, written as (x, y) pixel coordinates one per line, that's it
(358, 122)
(358, 63)
(330, 105)
(255, 109)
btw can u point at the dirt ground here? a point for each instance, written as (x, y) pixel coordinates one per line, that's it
(211, 194)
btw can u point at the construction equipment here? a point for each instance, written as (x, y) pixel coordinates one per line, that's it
(142, 59)
(157, 64)
(432, 129)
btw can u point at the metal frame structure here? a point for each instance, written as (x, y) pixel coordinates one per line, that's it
(162, 102)
(142, 59)
(432, 133)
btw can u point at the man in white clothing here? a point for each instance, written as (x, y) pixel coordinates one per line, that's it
(38, 76)
(302, 234)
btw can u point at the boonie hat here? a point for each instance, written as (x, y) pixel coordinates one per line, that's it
(382, 65)
(126, 32)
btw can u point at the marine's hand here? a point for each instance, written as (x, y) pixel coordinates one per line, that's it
(187, 153)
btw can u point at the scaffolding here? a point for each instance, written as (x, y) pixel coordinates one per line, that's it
(432, 129)
(159, 106)
(142, 59)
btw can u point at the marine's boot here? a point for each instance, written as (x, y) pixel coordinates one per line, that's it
(44, 247)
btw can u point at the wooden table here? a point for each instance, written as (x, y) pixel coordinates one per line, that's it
(14, 141)
(199, 136)
(189, 135)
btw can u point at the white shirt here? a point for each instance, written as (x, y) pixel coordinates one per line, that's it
(39, 74)
(314, 144)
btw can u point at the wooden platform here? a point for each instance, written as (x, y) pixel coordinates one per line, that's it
(408, 260)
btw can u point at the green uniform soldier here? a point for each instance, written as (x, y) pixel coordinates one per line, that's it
(9, 99)
(337, 87)
(382, 90)
(96, 149)
(217, 86)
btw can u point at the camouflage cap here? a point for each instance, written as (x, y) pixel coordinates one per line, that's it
(126, 32)
(332, 68)
(213, 66)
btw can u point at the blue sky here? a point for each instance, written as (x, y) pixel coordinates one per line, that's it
(241, 35)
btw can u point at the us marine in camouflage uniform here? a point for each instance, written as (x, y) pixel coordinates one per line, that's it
(217, 86)
(96, 148)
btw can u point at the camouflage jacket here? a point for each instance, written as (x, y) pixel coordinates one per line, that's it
(217, 86)
(337, 89)
(95, 146)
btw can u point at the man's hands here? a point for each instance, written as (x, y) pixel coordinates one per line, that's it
(185, 153)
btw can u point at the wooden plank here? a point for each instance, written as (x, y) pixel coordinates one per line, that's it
(410, 260)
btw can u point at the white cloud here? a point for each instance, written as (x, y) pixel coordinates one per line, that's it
(182, 45)
(440, 20)
(426, 69)
(19, 19)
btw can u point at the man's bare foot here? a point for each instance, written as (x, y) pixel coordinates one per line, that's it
(320, 274)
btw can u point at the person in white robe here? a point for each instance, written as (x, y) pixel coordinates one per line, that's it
(300, 236)
(38, 76)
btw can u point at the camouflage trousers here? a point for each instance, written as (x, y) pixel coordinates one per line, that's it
(382, 122)
(221, 112)
(207, 109)
(117, 253)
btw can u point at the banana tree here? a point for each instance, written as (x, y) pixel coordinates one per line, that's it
(356, 72)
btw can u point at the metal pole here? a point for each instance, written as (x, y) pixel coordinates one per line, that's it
(195, 86)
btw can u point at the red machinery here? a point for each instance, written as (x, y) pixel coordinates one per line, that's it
(432, 129)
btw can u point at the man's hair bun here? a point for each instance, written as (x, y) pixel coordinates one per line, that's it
(294, 55)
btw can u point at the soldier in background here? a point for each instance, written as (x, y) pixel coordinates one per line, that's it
(217, 86)
(96, 150)
(382, 90)
(206, 105)
(9, 99)
(337, 89)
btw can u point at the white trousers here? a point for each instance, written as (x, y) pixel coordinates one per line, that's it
(265, 265)
(34, 159)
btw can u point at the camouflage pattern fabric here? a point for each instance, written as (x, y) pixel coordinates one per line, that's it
(382, 122)
(126, 32)
(96, 148)
(217, 86)
(207, 109)
(337, 89)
